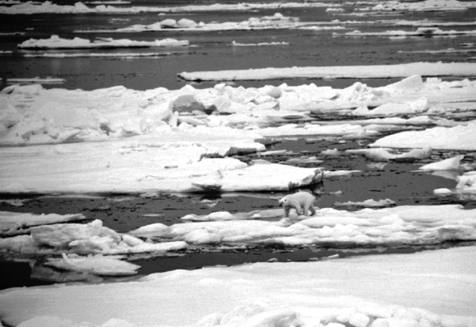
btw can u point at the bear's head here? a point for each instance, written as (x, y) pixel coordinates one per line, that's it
(283, 201)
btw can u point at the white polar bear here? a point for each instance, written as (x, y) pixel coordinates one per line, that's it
(301, 201)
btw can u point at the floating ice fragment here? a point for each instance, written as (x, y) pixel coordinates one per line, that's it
(98, 265)
(447, 164)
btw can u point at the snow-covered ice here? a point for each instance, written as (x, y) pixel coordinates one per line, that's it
(394, 290)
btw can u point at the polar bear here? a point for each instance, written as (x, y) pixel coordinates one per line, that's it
(302, 202)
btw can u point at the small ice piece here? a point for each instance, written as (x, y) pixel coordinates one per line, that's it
(442, 191)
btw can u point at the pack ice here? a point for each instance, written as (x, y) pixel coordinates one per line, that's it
(182, 140)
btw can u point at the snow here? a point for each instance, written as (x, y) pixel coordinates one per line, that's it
(376, 71)
(397, 290)
(56, 42)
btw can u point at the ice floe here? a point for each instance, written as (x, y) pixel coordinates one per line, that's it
(460, 137)
(427, 5)
(397, 225)
(383, 290)
(36, 80)
(274, 22)
(447, 164)
(56, 42)
(97, 265)
(20, 223)
(237, 44)
(421, 31)
(83, 239)
(376, 71)
(370, 203)
(113, 55)
(382, 154)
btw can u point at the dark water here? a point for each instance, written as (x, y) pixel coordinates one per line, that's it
(397, 181)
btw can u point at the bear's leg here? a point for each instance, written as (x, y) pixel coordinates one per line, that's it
(313, 211)
(299, 210)
(305, 210)
(286, 211)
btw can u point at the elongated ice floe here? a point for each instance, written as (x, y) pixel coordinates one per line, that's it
(375, 71)
(36, 80)
(276, 21)
(428, 5)
(20, 223)
(421, 31)
(56, 42)
(419, 289)
(114, 55)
